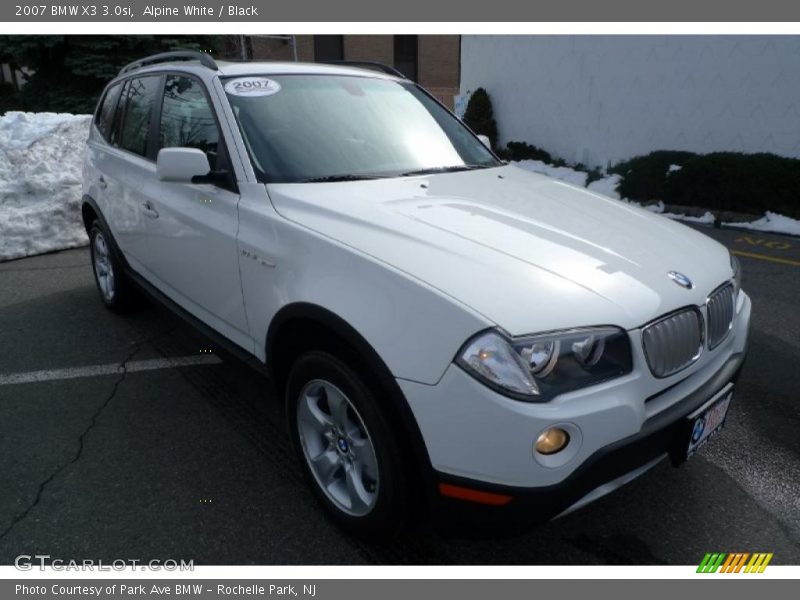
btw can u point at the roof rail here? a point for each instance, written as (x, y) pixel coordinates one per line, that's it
(205, 59)
(367, 64)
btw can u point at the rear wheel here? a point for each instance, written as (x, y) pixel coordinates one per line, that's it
(116, 292)
(349, 454)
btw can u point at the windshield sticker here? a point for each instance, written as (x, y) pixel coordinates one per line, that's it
(252, 86)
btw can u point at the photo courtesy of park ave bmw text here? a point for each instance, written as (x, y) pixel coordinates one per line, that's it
(303, 301)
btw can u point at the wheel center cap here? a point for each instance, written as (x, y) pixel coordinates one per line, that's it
(342, 445)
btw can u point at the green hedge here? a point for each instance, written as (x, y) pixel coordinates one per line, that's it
(523, 151)
(748, 183)
(479, 115)
(645, 177)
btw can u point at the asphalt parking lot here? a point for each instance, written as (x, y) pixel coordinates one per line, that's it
(192, 462)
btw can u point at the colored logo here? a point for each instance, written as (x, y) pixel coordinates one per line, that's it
(681, 279)
(699, 428)
(735, 562)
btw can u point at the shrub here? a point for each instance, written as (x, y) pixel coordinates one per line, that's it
(67, 73)
(8, 98)
(524, 151)
(748, 183)
(592, 173)
(645, 177)
(479, 115)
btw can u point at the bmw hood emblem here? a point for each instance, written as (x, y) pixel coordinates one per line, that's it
(681, 279)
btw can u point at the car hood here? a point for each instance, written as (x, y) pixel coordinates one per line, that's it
(527, 252)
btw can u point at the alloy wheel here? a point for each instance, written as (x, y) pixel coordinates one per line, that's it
(337, 448)
(103, 269)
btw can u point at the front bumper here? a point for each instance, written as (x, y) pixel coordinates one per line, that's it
(480, 440)
(605, 470)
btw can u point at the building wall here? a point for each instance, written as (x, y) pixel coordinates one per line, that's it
(379, 48)
(439, 65)
(305, 48)
(437, 56)
(601, 99)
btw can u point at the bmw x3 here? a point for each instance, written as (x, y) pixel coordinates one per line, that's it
(449, 333)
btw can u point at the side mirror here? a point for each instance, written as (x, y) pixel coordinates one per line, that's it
(181, 164)
(485, 140)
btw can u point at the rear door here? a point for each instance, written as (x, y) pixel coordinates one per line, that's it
(100, 154)
(190, 247)
(98, 143)
(128, 171)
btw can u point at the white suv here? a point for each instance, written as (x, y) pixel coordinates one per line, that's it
(448, 331)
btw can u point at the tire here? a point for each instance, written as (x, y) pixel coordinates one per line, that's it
(350, 457)
(116, 291)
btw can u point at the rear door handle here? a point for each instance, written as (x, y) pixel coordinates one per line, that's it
(101, 183)
(149, 211)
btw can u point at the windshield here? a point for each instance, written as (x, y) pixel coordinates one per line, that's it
(302, 128)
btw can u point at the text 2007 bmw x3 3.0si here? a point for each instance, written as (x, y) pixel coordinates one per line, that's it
(449, 333)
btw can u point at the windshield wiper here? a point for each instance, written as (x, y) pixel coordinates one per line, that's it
(450, 169)
(334, 178)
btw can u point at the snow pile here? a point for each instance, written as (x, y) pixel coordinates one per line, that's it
(561, 173)
(772, 223)
(607, 186)
(707, 218)
(41, 157)
(659, 209)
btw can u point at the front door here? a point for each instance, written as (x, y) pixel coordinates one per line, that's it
(191, 250)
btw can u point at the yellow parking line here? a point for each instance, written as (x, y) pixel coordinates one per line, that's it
(783, 261)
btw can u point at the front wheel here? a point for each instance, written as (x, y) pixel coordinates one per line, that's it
(116, 292)
(348, 451)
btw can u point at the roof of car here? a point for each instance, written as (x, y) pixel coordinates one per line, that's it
(228, 69)
(233, 69)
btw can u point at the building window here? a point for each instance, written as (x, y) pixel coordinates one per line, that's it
(328, 48)
(405, 55)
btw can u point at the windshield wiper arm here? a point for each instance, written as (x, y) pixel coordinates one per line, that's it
(450, 169)
(334, 178)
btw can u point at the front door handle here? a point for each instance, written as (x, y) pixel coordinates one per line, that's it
(149, 211)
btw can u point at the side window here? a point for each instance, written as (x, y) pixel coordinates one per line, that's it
(139, 97)
(116, 120)
(105, 112)
(187, 120)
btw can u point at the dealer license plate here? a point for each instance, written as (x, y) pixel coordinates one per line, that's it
(707, 420)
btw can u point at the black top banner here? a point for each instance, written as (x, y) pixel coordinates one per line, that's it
(257, 11)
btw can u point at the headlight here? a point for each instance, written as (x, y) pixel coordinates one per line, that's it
(538, 367)
(737, 276)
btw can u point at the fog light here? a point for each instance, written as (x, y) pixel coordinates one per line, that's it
(551, 441)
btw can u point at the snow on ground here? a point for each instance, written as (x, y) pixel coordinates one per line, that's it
(561, 173)
(41, 157)
(659, 209)
(607, 186)
(707, 218)
(772, 223)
